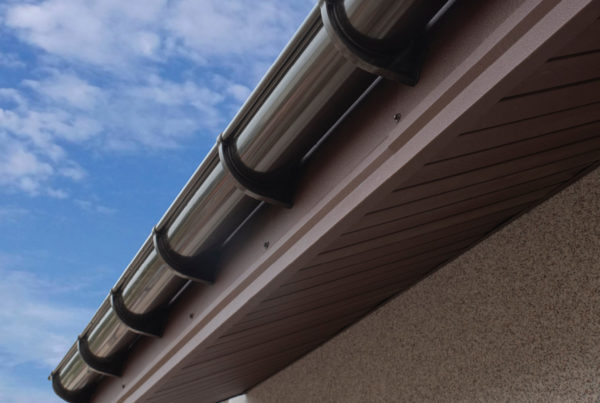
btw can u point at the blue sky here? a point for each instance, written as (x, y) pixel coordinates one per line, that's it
(106, 109)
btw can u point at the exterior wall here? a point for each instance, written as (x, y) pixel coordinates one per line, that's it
(517, 318)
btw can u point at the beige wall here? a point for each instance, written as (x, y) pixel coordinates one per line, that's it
(517, 318)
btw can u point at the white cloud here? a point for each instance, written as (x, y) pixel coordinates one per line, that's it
(19, 162)
(57, 193)
(30, 153)
(68, 88)
(43, 126)
(35, 329)
(9, 214)
(11, 61)
(106, 33)
(112, 34)
(163, 92)
(218, 28)
(37, 132)
(153, 114)
(93, 207)
(20, 167)
(238, 92)
(104, 80)
(12, 96)
(163, 112)
(72, 170)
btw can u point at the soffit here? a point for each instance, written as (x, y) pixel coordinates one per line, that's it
(534, 139)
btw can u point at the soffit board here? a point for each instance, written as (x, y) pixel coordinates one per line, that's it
(407, 207)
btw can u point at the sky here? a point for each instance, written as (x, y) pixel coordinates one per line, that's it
(106, 109)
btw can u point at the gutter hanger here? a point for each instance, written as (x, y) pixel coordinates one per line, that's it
(322, 71)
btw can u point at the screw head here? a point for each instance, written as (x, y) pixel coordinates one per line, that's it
(397, 117)
(266, 245)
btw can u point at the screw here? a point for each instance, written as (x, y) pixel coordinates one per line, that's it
(397, 117)
(266, 245)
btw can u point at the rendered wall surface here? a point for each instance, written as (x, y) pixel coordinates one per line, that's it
(517, 318)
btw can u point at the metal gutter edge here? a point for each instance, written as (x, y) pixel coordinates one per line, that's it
(211, 206)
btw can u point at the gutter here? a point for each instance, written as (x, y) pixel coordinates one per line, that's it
(329, 63)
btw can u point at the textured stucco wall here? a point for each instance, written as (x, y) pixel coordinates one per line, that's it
(517, 318)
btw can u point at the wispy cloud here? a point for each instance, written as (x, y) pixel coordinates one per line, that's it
(238, 92)
(106, 33)
(20, 167)
(57, 193)
(114, 34)
(42, 119)
(11, 61)
(35, 329)
(214, 28)
(30, 150)
(67, 88)
(127, 76)
(11, 214)
(93, 207)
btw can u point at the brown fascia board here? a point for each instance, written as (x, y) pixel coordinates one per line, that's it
(480, 51)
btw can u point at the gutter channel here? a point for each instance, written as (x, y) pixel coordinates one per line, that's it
(327, 67)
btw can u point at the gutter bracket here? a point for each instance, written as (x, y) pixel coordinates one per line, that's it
(83, 395)
(151, 323)
(371, 54)
(273, 187)
(201, 267)
(110, 366)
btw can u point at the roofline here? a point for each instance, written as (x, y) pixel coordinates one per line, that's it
(437, 110)
(262, 163)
